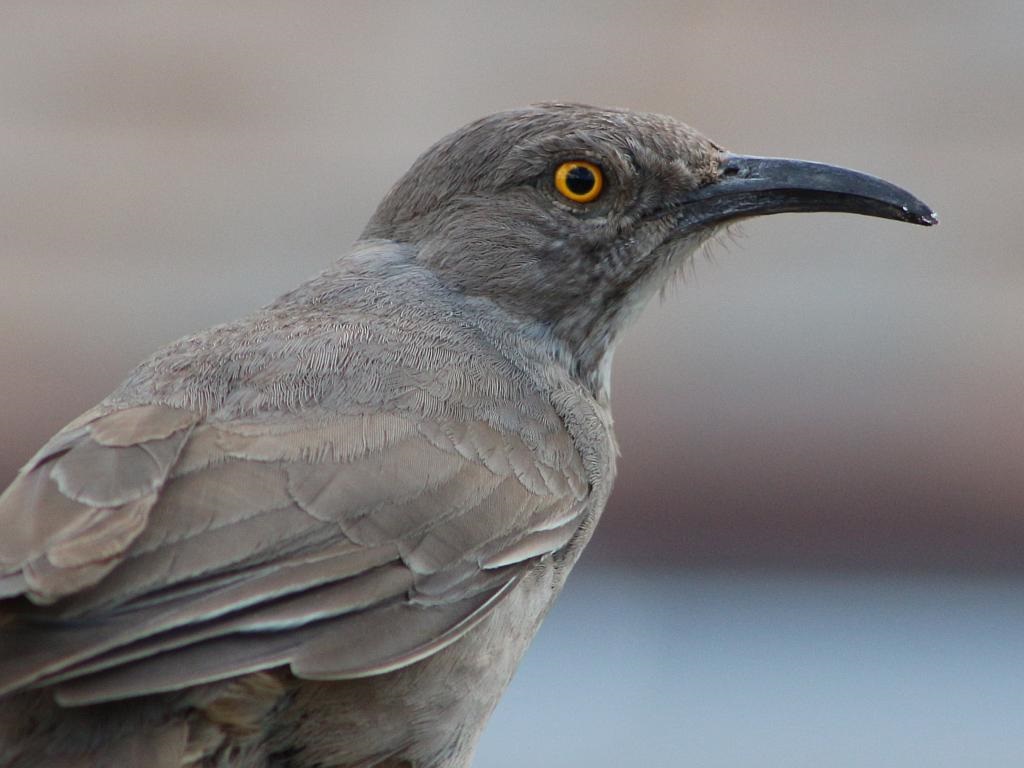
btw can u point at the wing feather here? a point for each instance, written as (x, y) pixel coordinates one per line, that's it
(178, 551)
(345, 647)
(79, 504)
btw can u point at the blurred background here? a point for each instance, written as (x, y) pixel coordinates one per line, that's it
(815, 551)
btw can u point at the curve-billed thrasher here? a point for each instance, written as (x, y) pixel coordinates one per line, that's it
(323, 535)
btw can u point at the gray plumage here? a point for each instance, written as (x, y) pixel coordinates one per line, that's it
(323, 535)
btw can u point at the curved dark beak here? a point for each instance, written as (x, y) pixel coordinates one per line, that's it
(757, 186)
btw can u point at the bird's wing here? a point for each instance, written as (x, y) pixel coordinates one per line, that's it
(162, 550)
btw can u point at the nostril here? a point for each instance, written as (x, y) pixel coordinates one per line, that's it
(730, 168)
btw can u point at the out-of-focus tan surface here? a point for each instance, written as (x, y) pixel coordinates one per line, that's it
(829, 391)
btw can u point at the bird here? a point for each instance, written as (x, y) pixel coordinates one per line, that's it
(324, 534)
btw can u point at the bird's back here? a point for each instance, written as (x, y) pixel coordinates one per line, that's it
(362, 482)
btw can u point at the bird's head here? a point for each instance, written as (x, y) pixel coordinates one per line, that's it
(571, 216)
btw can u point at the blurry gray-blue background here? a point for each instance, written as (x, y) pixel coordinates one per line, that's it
(814, 552)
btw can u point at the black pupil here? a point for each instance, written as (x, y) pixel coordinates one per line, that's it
(580, 180)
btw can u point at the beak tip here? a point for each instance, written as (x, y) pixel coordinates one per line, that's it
(925, 217)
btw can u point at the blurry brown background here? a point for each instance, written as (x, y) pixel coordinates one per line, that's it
(833, 396)
(827, 391)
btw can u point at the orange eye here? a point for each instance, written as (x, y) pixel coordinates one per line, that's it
(579, 181)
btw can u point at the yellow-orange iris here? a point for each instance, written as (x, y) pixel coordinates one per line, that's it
(579, 181)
